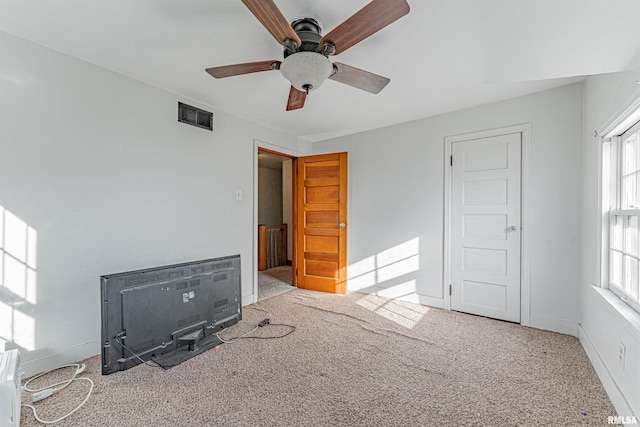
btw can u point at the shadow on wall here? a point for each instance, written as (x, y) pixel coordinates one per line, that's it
(18, 282)
(378, 275)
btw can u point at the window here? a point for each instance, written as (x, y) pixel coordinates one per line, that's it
(630, 168)
(622, 156)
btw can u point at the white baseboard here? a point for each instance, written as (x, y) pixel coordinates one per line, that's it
(617, 398)
(64, 357)
(248, 299)
(431, 301)
(554, 324)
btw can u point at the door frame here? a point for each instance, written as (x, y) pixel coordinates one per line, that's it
(525, 259)
(276, 149)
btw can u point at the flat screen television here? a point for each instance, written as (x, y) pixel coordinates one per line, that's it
(167, 314)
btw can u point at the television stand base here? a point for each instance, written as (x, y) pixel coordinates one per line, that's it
(191, 339)
(182, 353)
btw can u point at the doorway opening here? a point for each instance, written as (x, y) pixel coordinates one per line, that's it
(275, 223)
(311, 194)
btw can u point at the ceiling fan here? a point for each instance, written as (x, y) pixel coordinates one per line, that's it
(306, 61)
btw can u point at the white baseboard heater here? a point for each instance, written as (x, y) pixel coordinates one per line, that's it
(10, 388)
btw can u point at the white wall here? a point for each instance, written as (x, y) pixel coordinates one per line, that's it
(287, 204)
(98, 165)
(606, 322)
(396, 187)
(270, 197)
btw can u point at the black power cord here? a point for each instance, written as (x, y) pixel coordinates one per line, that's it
(262, 324)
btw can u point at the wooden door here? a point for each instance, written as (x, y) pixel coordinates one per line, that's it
(320, 235)
(485, 226)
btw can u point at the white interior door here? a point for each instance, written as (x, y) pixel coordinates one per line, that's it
(486, 226)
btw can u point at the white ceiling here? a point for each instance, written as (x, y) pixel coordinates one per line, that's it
(445, 55)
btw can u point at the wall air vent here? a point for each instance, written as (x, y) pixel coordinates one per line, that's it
(195, 116)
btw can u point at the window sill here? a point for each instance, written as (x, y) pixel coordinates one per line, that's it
(622, 311)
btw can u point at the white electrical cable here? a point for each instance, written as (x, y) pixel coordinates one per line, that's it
(49, 390)
(233, 339)
(135, 355)
(79, 369)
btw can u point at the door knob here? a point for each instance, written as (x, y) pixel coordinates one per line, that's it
(512, 228)
(342, 225)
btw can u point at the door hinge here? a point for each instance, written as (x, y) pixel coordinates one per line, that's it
(450, 289)
(450, 160)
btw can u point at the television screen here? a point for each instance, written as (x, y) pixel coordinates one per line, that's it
(167, 314)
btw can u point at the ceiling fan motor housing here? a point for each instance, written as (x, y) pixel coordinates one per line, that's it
(306, 67)
(308, 30)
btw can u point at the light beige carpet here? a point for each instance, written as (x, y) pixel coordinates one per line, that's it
(355, 360)
(274, 281)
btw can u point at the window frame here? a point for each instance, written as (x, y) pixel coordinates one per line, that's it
(614, 164)
(627, 257)
(622, 161)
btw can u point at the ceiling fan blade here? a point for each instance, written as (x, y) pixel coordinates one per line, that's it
(296, 99)
(368, 20)
(246, 68)
(272, 19)
(361, 79)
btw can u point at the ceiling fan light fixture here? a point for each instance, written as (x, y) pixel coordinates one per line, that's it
(306, 70)
(306, 63)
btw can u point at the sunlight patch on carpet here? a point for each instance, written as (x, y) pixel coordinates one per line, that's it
(403, 313)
